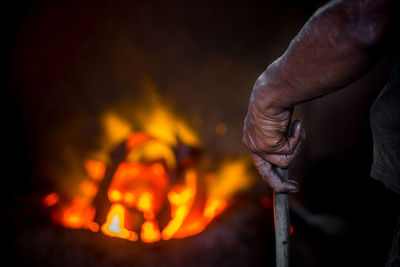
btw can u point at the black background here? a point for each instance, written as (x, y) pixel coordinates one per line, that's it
(68, 61)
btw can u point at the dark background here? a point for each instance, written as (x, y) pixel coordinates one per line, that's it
(68, 61)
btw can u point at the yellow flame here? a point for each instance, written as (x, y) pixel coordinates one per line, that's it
(153, 150)
(145, 202)
(141, 181)
(150, 232)
(114, 195)
(213, 207)
(114, 225)
(167, 127)
(181, 203)
(231, 178)
(115, 128)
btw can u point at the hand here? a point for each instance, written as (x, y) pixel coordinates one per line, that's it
(267, 133)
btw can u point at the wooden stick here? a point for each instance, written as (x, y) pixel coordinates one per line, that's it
(282, 224)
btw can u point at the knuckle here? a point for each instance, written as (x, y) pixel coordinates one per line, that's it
(244, 140)
(284, 164)
(274, 145)
(284, 161)
(287, 150)
(248, 142)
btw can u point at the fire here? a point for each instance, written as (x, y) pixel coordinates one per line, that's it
(114, 195)
(129, 199)
(150, 232)
(181, 203)
(214, 206)
(79, 214)
(50, 200)
(95, 169)
(132, 187)
(89, 188)
(114, 226)
(145, 202)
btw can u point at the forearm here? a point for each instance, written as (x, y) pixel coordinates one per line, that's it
(338, 44)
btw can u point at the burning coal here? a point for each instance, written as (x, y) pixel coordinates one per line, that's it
(149, 184)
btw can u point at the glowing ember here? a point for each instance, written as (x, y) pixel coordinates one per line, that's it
(50, 200)
(150, 232)
(95, 169)
(89, 188)
(114, 226)
(149, 178)
(79, 214)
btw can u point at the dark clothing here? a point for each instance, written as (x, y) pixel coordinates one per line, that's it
(385, 124)
(394, 254)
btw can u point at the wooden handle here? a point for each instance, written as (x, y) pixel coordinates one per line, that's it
(282, 224)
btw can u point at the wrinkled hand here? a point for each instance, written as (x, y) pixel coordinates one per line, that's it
(273, 141)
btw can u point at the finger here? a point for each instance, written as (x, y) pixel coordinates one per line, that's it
(293, 139)
(283, 161)
(272, 178)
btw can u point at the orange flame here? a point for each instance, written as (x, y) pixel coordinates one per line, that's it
(95, 169)
(89, 188)
(142, 183)
(79, 214)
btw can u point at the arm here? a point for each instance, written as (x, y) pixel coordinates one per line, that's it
(337, 45)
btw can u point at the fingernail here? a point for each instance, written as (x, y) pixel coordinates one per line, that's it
(299, 122)
(293, 186)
